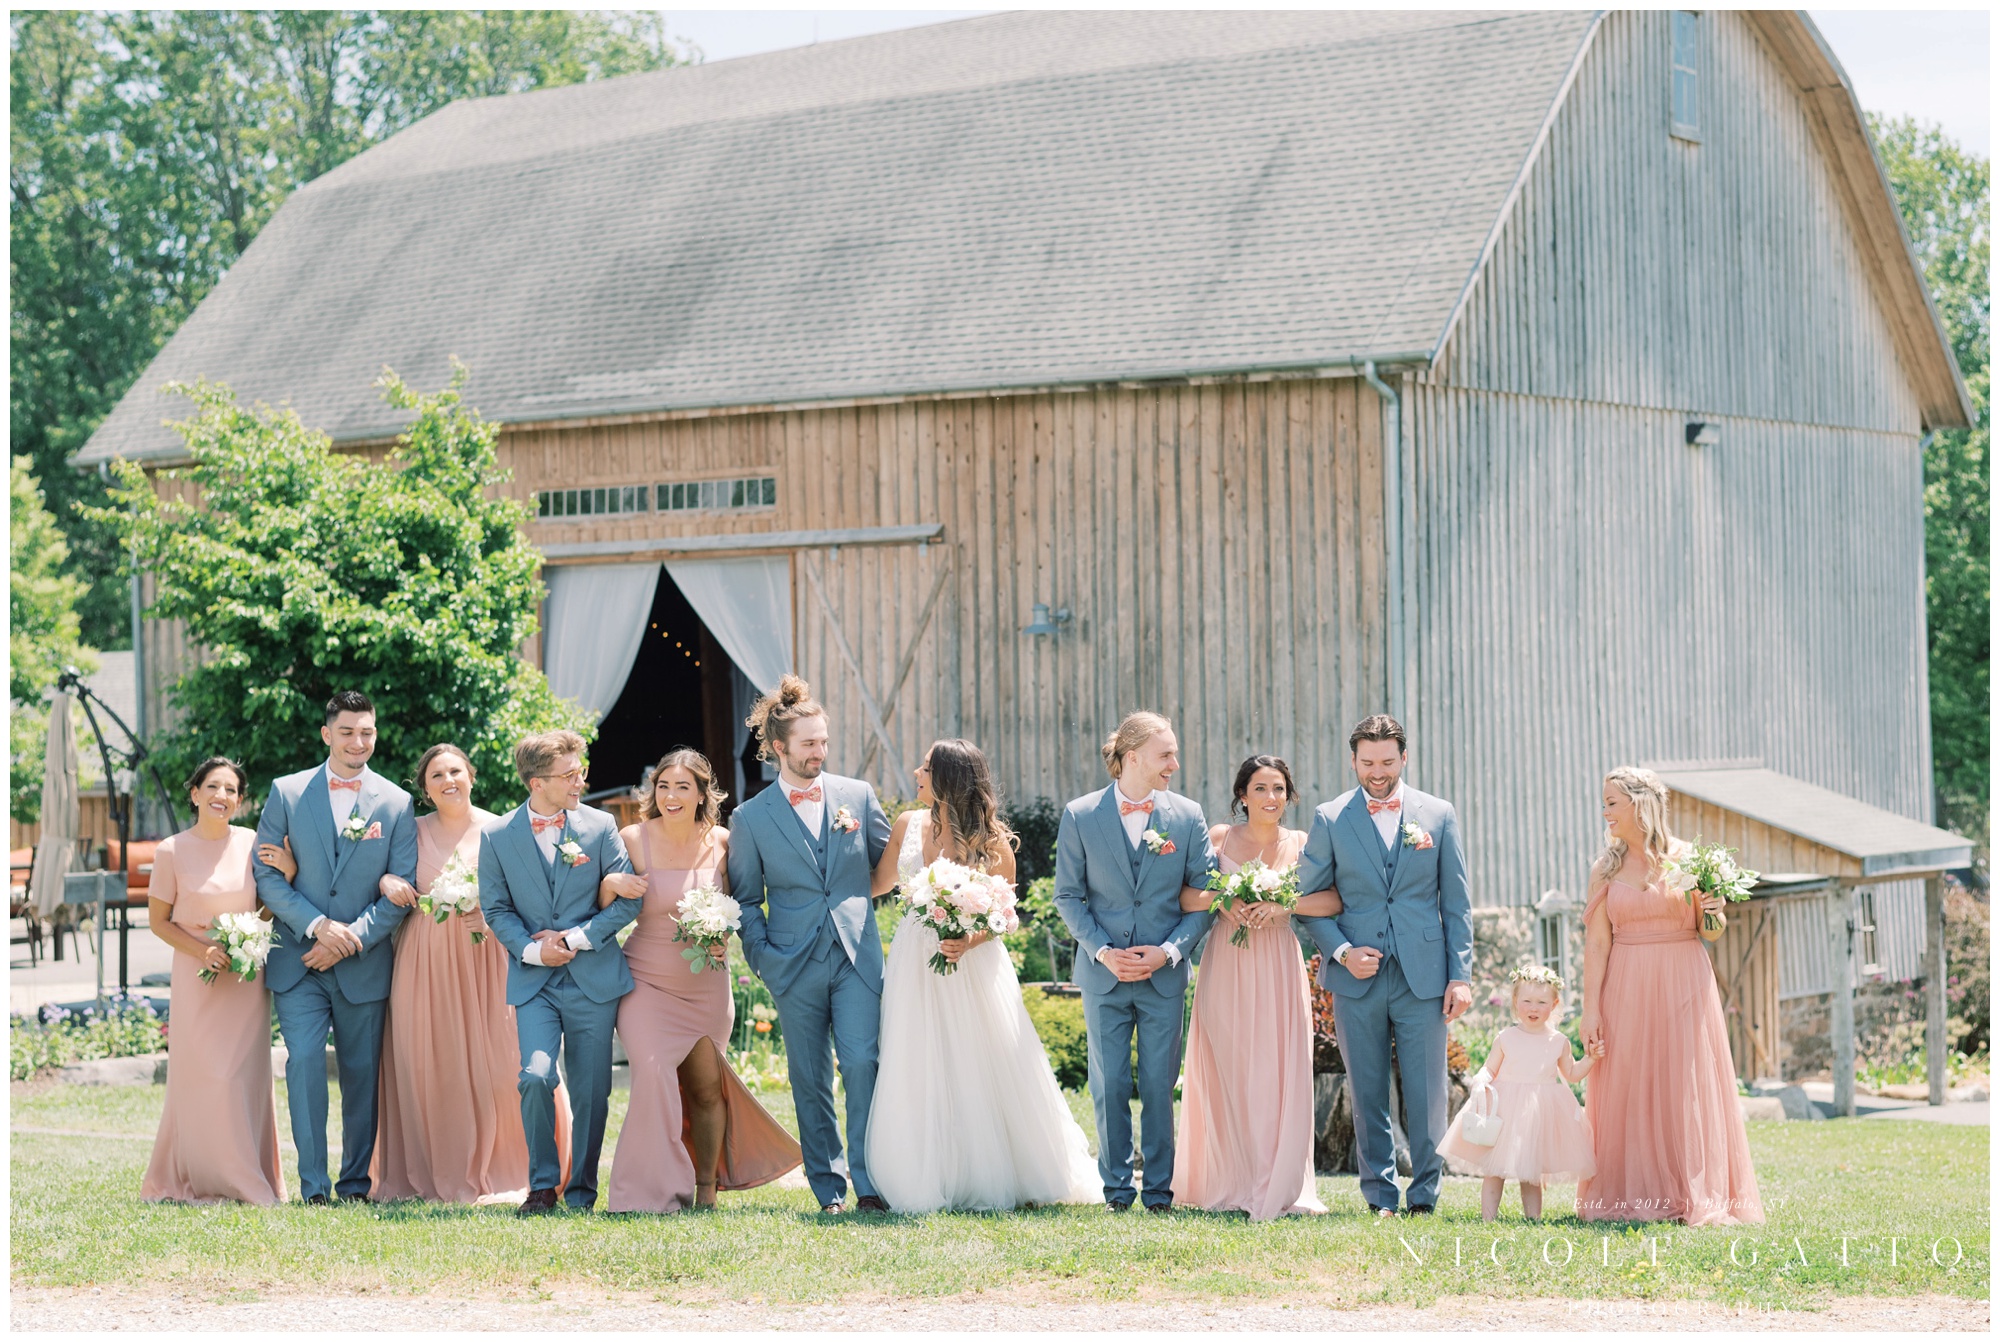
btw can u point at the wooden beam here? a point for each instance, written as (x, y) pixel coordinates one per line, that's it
(1840, 1010)
(910, 656)
(640, 547)
(1935, 1042)
(875, 719)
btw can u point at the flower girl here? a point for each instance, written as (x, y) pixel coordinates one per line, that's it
(1541, 1135)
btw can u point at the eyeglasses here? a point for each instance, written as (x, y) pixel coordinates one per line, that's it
(576, 775)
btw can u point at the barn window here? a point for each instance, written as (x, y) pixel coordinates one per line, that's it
(1687, 74)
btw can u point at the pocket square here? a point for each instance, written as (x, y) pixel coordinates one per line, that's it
(374, 832)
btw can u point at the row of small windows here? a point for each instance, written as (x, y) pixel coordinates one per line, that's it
(756, 491)
(1687, 74)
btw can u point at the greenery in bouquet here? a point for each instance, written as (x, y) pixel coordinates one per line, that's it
(1255, 882)
(1709, 869)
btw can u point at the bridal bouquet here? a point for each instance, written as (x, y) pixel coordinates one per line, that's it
(247, 938)
(1253, 883)
(1709, 869)
(706, 917)
(955, 901)
(456, 890)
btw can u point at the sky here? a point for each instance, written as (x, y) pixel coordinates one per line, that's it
(1930, 64)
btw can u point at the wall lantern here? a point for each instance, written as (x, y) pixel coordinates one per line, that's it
(1046, 623)
(1702, 434)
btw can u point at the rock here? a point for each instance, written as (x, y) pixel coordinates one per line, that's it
(1975, 1092)
(1762, 1108)
(1798, 1108)
(144, 1070)
(1333, 1123)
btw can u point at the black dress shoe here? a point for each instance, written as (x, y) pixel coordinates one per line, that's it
(316, 1200)
(1419, 1209)
(540, 1202)
(868, 1202)
(1160, 1208)
(1119, 1206)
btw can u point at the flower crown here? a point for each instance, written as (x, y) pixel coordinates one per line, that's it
(1541, 974)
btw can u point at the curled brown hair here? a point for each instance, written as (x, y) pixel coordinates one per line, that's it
(424, 761)
(965, 805)
(1238, 803)
(709, 813)
(1137, 729)
(774, 715)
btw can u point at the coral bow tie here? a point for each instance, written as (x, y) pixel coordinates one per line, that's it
(343, 784)
(810, 794)
(1393, 804)
(1128, 807)
(542, 822)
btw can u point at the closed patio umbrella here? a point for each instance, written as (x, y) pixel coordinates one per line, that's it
(59, 809)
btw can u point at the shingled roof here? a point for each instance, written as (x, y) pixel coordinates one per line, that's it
(1018, 200)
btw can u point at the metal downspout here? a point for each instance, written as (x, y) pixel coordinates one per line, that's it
(1397, 654)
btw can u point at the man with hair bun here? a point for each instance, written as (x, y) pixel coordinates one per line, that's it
(802, 858)
(1123, 858)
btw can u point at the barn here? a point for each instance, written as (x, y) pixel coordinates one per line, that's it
(1554, 380)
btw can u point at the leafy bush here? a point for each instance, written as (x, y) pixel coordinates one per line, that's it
(1058, 1022)
(126, 1028)
(1035, 823)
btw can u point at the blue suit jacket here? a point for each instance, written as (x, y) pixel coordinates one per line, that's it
(1105, 904)
(338, 877)
(771, 863)
(522, 894)
(1425, 920)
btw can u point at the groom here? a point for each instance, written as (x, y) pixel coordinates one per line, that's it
(539, 869)
(1123, 857)
(1396, 958)
(350, 830)
(807, 845)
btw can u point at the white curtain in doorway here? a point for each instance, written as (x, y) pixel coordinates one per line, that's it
(597, 615)
(747, 605)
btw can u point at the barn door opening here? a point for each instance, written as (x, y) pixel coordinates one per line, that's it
(681, 692)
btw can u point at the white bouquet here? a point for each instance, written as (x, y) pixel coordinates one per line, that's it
(1708, 869)
(247, 938)
(706, 917)
(455, 891)
(1255, 882)
(955, 901)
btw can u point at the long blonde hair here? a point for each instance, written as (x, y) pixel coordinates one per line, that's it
(1649, 803)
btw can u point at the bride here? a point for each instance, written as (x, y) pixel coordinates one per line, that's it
(967, 1116)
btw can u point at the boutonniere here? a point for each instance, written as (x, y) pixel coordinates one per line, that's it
(357, 828)
(844, 821)
(571, 852)
(1416, 838)
(1157, 843)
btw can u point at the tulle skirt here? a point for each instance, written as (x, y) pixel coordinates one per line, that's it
(1544, 1138)
(967, 1115)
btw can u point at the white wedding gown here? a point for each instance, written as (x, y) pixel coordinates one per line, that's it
(966, 1115)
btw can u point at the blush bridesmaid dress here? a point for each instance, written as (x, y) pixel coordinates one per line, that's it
(218, 1139)
(1669, 1136)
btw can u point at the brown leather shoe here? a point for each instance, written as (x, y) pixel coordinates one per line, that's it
(540, 1202)
(868, 1202)
(833, 1208)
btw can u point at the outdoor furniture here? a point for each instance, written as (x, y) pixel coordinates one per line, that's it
(138, 876)
(21, 862)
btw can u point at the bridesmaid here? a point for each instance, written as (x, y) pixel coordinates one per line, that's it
(1246, 1136)
(218, 1139)
(691, 1126)
(450, 1126)
(1662, 1102)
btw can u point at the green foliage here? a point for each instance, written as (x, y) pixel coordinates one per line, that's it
(148, 148)
(1035, 823)
(1944, 195)
(43, 633)
(126, 1028)
(1058, 1022)
(303, 571)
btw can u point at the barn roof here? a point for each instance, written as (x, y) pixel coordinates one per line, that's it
(1881, 840)
(1018, 200)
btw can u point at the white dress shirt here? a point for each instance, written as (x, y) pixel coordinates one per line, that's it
(342, 804)
(546, 840)
(1136, 824)
(1389, 825)
(811, 814)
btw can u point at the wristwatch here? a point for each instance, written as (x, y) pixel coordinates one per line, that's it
(1340, 956)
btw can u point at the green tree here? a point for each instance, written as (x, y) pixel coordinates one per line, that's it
(302, 571)
(42, 633)
(1944, 194)
(148, 149)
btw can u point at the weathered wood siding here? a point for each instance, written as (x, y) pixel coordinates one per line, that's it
(1589, 590)
(1219, 547)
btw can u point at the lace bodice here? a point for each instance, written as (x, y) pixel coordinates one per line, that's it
(910, 860)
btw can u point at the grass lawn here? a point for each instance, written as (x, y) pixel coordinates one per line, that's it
(1889, 1188)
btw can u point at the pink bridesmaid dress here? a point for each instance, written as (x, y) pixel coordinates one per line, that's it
(450, 1126)
(671, 1011)
(1661, 1101)
(1246, 1123)
(218, 1139)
